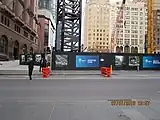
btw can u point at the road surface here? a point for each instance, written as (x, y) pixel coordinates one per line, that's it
(77, 99)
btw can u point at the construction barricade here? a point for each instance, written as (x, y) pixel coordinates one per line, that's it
(45, 72)
(106, 71)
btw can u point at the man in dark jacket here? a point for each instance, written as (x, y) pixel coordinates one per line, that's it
(30, 67)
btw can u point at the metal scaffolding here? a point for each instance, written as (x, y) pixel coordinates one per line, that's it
(68, 37)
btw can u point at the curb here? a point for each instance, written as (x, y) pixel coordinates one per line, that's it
(100, 78)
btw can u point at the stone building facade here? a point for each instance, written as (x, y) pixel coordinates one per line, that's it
(18, 28)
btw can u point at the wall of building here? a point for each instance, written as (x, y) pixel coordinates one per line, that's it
(48, 9)
(51, 40)
(46, 33)
(130, 33)
(96, 30)
(41, 34)
(16, 25)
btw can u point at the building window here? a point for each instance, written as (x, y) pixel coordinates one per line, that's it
(13, 5)
(32, 38)
(3, 45)
(5, 21)
(17, 28)
(25, 34)
(2, 19)
(8, 23)
(140, 41)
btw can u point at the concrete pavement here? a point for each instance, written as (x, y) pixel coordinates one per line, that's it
(78, 99)
(77, 95)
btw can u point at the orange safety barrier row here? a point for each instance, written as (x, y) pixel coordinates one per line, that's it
(45, 72)
(106, 71)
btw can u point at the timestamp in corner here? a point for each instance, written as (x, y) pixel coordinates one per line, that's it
(129, 102)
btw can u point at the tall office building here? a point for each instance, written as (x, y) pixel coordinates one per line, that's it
(47, 18)
(130, 31)
(156, 24)
(96, 25)
(156, 21)
(18, 28)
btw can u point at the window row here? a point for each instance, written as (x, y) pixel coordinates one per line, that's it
(98, 47)
(6, 21)
(98, 30)
(98, 34)
(89, 38)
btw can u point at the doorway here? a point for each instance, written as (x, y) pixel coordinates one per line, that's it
(15, 53)
(16, 50)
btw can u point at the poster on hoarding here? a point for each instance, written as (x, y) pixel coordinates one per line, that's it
(37, 59)
(151, 62)
(61, 60)
(48, 58)
(87, 61)
(119, 60)
(23, 59)
(134, 61)
(29, 58)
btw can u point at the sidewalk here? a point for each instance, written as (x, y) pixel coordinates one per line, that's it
(13, 68)
(80, 72)
(80, 77)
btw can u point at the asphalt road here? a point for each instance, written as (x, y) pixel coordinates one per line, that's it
(76, 99)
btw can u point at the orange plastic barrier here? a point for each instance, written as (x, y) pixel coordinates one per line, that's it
(105, 71)
(45, 72)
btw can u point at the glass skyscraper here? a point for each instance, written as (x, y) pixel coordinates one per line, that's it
(50, 5)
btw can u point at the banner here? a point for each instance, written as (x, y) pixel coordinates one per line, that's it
(119, 60)
(61, 60)
(38, 57)
(151, 62)
(134, 61)
(87, 61)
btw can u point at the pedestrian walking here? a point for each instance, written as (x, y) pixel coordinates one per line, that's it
(30, 67)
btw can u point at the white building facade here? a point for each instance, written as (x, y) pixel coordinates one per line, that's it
(96, 26)
(130, 32)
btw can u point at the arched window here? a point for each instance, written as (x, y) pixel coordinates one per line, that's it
(31, 50)
(24, 49)
(4, 45)
(117, 49)
(136, 50)
(126, 49)
(121, 49)
(132, 49)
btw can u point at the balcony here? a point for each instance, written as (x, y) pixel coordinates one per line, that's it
(19, 21)
(27, 27)
(6, 10)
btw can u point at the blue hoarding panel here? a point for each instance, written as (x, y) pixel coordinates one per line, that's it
(151, 62)
(87, 61)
